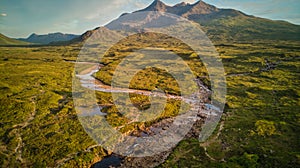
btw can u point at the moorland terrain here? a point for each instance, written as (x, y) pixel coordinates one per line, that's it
(259, 126)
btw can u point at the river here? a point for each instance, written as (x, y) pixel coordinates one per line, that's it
(88, 81)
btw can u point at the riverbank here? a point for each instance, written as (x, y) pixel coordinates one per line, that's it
(202, 110)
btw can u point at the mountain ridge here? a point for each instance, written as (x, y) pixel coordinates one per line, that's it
(48, 38)
(223, 24)
(184, 9)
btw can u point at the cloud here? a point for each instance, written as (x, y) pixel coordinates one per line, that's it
(190, 1)
(3, 14)
(113, 9)
(65, 26)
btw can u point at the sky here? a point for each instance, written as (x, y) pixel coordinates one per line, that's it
(20, 18)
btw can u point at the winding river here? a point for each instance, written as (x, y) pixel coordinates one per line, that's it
(88, 81)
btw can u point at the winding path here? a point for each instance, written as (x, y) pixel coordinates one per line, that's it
(16, 130)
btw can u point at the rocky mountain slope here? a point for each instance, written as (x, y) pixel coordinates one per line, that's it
(219, 24)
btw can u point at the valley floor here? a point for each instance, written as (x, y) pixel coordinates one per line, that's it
(259, 127)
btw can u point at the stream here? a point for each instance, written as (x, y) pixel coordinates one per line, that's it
(88, 81)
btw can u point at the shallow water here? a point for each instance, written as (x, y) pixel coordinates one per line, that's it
(107, 162)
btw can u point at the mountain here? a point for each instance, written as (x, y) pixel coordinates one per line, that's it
(9, 41)
(224, 24)
(220, 25)
(49, 38)
(156, 6)
(182, 9)
(100, 32)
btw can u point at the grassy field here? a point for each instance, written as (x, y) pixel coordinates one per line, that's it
(259, 128)
(151, 78)
(260, 124)
(39, 125)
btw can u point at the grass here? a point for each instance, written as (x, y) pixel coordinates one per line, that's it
(151, 78)
(36, 81)
(8, 41)
(261, 118)
(117, 120)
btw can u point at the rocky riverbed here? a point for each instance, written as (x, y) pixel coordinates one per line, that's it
(201, 108)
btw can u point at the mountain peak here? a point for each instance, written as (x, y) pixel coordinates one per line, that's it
(201, 3)
(201, 7)
(180, 4)
(219, 24)
(182, 9)
(157, 2)
(32, 35)
(157, 5)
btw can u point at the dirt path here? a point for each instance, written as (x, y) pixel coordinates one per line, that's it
(268, 67)
(211, 140)
(16, 129)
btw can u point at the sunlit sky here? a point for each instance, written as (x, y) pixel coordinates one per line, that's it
(20, 18)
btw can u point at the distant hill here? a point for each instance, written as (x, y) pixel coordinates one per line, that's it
(49, 38)
(9, 41)
(101, 32)
(223, 24)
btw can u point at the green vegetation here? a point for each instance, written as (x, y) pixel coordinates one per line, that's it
(39, 126)
(151, 78)
(259, 128)
(9, 41)
(117, 120)
(239, 28)
(264, 127)
(260, 124)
